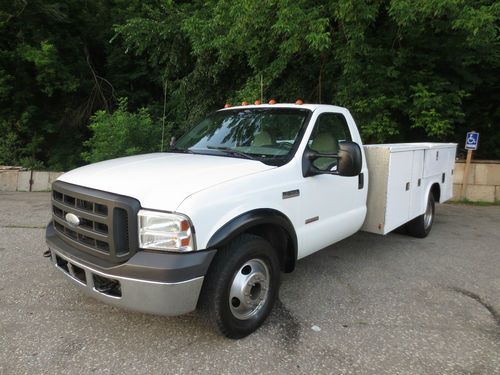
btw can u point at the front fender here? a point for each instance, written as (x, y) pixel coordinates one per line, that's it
(249, 219)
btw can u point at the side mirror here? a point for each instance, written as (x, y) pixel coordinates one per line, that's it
(347, 162)
(351, 160)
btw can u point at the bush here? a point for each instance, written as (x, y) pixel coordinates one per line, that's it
(9, 145)
(121, 133)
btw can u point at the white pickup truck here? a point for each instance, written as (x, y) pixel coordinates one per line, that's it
(239, 199)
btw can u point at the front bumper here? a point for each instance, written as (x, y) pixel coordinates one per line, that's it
(154, 283)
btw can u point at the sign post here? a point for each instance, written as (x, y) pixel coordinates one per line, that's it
(471, 143)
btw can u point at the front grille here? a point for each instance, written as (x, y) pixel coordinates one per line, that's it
(104, 220)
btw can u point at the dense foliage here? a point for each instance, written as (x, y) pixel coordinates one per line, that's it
(409, 70)
(116, 134)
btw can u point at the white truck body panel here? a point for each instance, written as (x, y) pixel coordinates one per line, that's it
(401, 176)
(161, 181)
(335, 200)
(319, 197)
(417, 199)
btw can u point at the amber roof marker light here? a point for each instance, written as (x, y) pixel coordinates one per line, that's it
(257, 102)
(227, 105)
(299, 102)
(272, 101)
(244, 103)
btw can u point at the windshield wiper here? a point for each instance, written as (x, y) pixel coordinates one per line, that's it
(181, 150)
(231, 151)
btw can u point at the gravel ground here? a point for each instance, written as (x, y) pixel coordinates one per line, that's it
(367, 305)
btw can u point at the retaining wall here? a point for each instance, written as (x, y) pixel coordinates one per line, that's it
(483, 182)
(16, 180)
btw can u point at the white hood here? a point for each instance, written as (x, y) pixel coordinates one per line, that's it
(163, 180)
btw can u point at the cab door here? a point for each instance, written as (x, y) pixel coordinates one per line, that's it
(333, 207)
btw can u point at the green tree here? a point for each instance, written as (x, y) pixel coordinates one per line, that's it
(57, 68)
(409, 70)
(121, 133)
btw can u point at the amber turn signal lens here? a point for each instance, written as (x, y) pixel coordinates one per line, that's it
(184, 225)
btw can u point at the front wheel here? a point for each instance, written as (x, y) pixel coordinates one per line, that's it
(242, 285)
(421, 226)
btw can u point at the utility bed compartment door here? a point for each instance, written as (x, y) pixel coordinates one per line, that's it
(433, 163)
(447, 191)
(440, 162)
(417, 205)
(398, 189)
(396, 186)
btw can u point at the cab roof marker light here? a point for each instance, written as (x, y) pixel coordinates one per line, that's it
(272, 101)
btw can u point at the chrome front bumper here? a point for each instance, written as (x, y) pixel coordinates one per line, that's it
(151, 297)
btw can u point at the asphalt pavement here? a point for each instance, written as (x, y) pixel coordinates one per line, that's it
(367, 305)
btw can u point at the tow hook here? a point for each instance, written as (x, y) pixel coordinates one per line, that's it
(47, 254)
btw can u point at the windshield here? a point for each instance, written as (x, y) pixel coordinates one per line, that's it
(255, 133)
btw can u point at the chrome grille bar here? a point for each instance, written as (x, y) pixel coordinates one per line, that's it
(104, 219)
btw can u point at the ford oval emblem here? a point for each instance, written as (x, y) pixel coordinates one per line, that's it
(72, 219)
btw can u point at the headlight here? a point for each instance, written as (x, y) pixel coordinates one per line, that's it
(164, 231)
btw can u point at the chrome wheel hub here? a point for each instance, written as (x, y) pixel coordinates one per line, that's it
(428, 215)
(249, 289)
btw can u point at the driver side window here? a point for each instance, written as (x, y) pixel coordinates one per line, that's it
(329, 131)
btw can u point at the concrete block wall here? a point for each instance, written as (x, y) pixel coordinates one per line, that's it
(483, 182)
(15, 180)
(8, 181)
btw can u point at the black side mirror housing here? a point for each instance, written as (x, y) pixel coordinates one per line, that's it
(349, 161)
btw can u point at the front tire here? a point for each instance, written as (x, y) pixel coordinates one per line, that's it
(421, 226)
(241, 286)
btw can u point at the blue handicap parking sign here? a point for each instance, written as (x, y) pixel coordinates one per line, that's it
(471, 141)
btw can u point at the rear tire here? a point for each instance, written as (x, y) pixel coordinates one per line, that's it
(241, 286)
(421, 226)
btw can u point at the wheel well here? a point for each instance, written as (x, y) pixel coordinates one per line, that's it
(436, 191)
(269, 224)
(279, 240)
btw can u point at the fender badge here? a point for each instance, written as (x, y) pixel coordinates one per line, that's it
(291, 194)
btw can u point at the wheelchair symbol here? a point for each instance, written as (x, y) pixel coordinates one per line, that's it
(471, 141)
